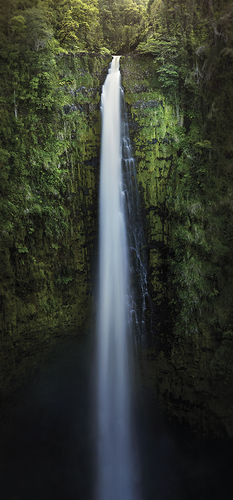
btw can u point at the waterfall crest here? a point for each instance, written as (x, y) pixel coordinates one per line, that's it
(115, 455)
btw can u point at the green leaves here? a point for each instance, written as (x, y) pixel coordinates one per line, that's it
(123, 24)
(38, 30)
(68, 31)
(18, 25)
(168, 76)
(201, 183)
(79, 25)
(22, 249)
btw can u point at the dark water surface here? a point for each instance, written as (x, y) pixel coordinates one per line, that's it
(46, 450)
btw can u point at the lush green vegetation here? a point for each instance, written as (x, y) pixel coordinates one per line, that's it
(74, 24)
(44, 130)
(124, 24)
(192, 48)
(32, 34)
(53, 57)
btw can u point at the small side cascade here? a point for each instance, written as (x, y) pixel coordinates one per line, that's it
(139, 298)
(15, 107)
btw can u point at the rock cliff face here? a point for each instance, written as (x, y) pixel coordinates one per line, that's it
(46, 264)
(182, 371)
(151, 124)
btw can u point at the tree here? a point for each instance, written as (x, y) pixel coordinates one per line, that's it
(79, 25)
(38, 30)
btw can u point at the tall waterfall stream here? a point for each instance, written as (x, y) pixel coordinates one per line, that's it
(116, 467)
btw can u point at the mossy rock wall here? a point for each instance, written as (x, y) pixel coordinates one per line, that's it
(187, 374)
(152, 125)
(47, 259)
(49, 234)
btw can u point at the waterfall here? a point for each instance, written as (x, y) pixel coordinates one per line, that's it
(139, 298)
(116, 463)
(15, 106)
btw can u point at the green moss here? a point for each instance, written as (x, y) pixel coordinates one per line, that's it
(48, 246)
(153, 125)
(185, 208)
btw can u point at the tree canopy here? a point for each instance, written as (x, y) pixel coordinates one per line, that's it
(75, 24)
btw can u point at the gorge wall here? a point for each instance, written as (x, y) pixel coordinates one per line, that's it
(49, 233)
(190, 372)
(51, 205)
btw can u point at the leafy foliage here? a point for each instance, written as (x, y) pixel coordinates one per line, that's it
(123, 23)
(191, 46)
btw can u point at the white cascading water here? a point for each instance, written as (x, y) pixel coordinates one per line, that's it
(116, 474)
